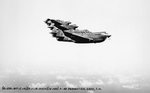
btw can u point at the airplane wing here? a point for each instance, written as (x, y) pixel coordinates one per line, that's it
(63, 25)
(67, 32)
(77, 38)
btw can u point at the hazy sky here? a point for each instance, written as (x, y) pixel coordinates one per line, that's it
(26, 47)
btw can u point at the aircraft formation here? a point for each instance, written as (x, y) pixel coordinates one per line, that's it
(65, 31)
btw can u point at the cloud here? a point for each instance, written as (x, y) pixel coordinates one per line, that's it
(67, 77)
(55, 84)
(85, 83)
(110, 81)
(37, 85)
(90, 91)
(68, 84)
(63, 77)
(126, 80)
(131, 86)
(129, 82)
(99, 82)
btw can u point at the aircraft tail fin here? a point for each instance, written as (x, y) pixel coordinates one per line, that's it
(48, 22)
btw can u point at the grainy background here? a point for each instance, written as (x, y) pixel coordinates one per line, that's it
(27, 48)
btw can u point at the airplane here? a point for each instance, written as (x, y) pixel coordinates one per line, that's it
(65, 31)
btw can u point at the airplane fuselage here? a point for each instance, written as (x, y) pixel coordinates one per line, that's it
(65, 32)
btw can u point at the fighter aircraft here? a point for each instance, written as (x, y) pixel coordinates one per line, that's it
(65, 31)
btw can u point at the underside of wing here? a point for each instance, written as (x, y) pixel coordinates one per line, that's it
(77, 38)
